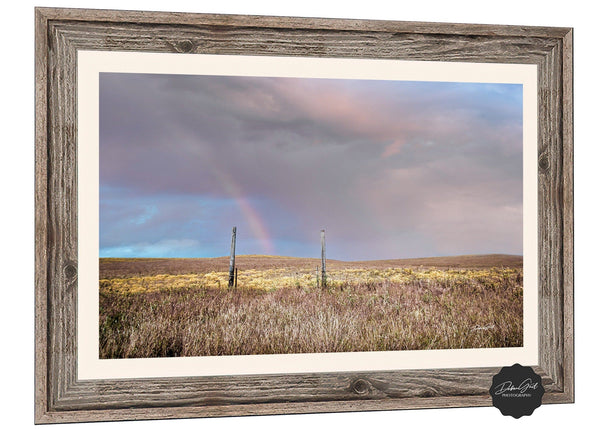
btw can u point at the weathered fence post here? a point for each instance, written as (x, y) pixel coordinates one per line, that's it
(232, 258)
(323, 269)
(235, 277)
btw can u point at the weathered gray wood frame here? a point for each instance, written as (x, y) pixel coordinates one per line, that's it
(60, 33)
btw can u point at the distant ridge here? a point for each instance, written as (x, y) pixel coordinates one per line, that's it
(490, 260)
(124, 267)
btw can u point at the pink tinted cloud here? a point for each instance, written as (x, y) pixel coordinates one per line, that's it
(358, 113)
(393, 148)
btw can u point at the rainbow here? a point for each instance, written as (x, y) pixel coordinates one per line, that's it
(257, 225)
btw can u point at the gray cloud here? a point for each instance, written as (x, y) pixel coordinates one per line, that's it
(391, 169)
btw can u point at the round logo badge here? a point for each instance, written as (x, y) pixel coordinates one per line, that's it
(517, 391)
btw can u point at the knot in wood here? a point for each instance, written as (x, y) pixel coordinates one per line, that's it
(543, 162)
(185, 46)
(70, 271)
(360, 386)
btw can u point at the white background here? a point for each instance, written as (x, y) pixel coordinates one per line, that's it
(17, 178)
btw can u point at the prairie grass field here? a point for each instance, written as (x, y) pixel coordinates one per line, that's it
(183, 307)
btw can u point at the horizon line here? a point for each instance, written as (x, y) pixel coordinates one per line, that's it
(310, 257)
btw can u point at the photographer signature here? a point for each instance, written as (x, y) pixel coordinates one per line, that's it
(508, 386)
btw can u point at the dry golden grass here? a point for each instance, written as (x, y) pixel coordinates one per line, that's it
(135, 267)
(277, 308)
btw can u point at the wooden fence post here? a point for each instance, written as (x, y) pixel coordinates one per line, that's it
(232, 258)
(323, 269)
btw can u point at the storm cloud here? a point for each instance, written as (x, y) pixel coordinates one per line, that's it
(390, 169)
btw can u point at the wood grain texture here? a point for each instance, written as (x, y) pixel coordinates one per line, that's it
(41, 216)
(60, 33)
(568, 277)
(170, 18)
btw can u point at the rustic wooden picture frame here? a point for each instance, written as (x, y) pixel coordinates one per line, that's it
(60, 33)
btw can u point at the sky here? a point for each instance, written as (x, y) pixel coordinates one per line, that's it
(390, 169)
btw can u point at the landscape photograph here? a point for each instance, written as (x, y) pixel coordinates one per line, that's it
(247, 215)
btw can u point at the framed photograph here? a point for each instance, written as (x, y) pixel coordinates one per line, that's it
(245, 215)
